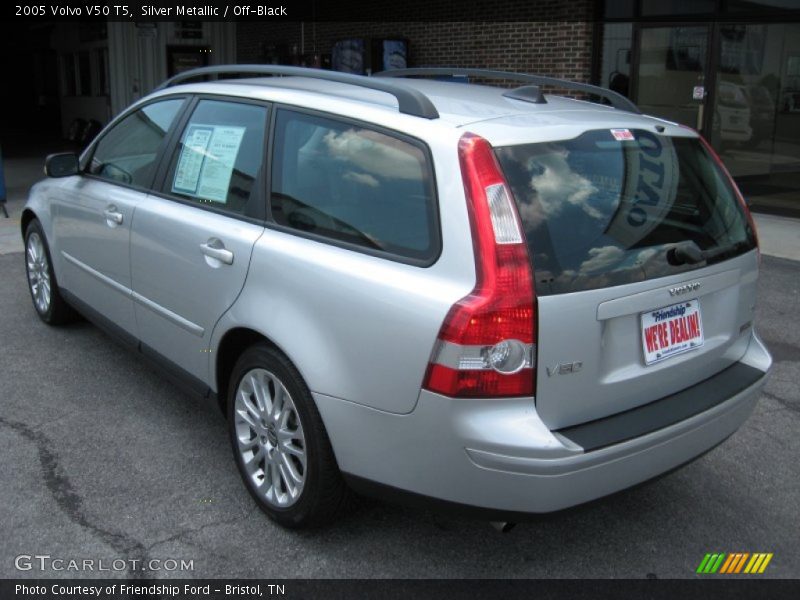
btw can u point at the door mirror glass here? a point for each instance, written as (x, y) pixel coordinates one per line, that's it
(61, 165)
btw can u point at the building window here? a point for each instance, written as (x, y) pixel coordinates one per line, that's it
(102, 71)
(677, 7)
(70, 84)
(84, 74)
(616, 62)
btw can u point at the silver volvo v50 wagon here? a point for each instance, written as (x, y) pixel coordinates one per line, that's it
(477, 296)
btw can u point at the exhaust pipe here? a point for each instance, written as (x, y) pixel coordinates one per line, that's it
(502, 526)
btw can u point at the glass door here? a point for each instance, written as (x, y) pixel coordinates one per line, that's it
(671, 73)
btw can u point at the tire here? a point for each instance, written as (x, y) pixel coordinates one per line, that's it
(277, 435)
(42, 283)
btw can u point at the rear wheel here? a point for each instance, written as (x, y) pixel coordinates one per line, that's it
(42, 284)
(280, 443)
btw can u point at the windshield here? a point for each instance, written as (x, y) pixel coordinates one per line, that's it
(614, 206)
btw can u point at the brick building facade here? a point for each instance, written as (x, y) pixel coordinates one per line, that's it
(557, 41)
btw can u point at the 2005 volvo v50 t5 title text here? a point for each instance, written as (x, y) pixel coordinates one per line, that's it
(490, 298)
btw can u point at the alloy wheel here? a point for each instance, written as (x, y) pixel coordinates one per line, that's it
(38, 272)
(270, 438)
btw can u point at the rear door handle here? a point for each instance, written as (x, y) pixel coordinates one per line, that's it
(214, 248)
(113, 216)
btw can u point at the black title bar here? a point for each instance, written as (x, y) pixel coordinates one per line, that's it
(345, 10)
(712, 588)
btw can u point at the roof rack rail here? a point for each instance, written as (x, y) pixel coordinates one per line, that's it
(409, 101)
(616, 100)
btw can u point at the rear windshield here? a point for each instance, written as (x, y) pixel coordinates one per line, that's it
(602, 210)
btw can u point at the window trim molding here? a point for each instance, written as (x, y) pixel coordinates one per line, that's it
(435, 223)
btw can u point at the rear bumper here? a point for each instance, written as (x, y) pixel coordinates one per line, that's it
(498, 455)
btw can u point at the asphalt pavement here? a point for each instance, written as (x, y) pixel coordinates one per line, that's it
(102, 458)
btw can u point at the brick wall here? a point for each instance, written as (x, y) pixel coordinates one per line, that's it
(557, 41)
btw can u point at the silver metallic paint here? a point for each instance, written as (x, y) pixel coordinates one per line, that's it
(361, 329)
(499, 454)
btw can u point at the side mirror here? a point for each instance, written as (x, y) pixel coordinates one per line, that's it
(61, 165)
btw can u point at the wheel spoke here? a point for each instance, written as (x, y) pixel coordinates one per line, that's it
(245, 416)
(247, 444)
(255, 457)
(278, 400)
(290, 448)
(289, 471)
(46, 292)
(259, 393)
(32, 250)
(251, 408)
(288, 482)
(275, 480)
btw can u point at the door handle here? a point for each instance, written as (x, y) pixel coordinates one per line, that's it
(113, 216)
(214, 248)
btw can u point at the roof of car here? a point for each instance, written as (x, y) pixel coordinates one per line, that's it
(458, 104)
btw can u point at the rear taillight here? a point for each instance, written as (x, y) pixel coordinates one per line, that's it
(733, 185)
(486, 346)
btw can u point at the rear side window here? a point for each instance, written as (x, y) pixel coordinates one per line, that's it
(352, 184)
(220, 157)
(127, 152)
(600, 211)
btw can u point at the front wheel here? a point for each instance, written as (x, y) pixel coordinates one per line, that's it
(42, 284)
(280, 443)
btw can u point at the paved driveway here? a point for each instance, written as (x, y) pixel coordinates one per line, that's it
(103, 458)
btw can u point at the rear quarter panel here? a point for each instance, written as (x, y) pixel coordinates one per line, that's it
(359, 327)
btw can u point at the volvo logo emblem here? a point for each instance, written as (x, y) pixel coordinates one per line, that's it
(682, 289)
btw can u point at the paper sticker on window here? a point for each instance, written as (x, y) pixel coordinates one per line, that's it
(187, 174)
(205, 166)
(622, 135)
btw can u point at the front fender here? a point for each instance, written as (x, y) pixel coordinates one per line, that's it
(40, 206)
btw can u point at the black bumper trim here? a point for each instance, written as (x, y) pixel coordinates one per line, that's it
(664, 412)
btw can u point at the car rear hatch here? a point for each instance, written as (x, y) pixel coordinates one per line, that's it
(644, 262)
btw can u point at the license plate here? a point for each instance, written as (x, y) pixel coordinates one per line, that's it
(671, 330)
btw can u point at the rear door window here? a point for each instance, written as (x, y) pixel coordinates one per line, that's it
(353, 185)
(609, 207)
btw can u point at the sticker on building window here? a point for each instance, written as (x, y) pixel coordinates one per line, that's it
(206, 162)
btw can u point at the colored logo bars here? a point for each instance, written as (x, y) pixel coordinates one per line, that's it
(736, 562)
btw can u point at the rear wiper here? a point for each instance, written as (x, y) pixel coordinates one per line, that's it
(685, 254)
(688, 253)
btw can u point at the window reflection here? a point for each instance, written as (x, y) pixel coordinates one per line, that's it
(598, 211)
(756, 120)
(751, 116)
(352, 184)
